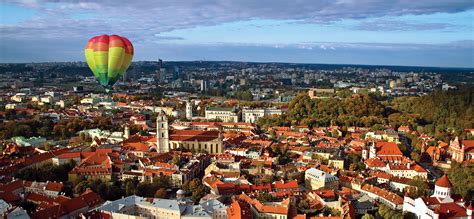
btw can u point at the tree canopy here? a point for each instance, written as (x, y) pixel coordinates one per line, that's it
(441, 113)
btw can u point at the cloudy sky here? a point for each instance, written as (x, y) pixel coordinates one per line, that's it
(384, 32)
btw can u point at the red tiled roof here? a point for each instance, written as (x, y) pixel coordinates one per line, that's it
(193, 135)
(412, 166)
(157, 172)
(450, 210)
(442, 144)
(468, 146)
(292, 184)
(374, 162)
(443, 182)
(432, 150)
(70, 155)
(239, 210)
(137, 146)
(430, 200)
(39, 198)
(300, 216)
(404, 128)
(390, 196)
(54, 186)
(380, 174)
(275, 209)
(387, 148)
(325, 193)
(84, 201)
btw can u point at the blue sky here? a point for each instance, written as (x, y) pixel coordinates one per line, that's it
(403, 32)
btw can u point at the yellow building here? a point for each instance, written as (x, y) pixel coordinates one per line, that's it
(336, 163)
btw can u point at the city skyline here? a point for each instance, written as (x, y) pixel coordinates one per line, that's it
(421, 33)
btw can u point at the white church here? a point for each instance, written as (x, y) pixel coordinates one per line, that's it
(442, 204)
(210, 141)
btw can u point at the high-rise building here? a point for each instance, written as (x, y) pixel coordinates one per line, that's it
(176, 73)
(161, 71)
(162, 74)
(203, 85)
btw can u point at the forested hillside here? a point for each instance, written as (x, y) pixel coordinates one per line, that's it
(439, 113)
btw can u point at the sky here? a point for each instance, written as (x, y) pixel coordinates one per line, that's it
(379, 32)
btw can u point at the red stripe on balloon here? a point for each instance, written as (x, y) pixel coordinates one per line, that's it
(98, 46)
(128, 46)
(116, 41)
(90, 44)
(104, 42)
(102, 39)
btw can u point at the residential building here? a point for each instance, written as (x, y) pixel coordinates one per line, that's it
(258, 209)
(388, 198)
(96, 166)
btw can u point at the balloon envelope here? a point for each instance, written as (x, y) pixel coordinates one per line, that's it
(108, 57)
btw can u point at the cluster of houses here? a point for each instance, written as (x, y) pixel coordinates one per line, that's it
(281, 172)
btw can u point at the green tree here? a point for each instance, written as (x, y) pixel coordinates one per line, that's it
(388, 213)
(161, 193)
(418, 187)
(264, 197)
(331, 211)
(462, 178)
(176, 160)
(367, 216)
(303, 204)
(130, 186)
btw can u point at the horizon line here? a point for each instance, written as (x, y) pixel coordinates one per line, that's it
(264, 62)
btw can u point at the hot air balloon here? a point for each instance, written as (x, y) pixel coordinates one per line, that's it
(108, 57)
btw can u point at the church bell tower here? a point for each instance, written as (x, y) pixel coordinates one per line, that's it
(162, 133)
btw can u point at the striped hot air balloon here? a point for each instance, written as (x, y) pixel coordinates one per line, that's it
(108, 57)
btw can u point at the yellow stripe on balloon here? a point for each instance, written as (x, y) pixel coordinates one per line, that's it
(116, 55)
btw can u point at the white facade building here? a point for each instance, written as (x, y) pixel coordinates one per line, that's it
(315, 179)
(189, 110)
(135, 207)
(252, 115)
(223, 114)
